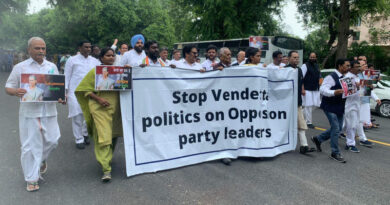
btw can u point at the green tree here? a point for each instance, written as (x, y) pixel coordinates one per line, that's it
(338, 15)
(219, 19)
(17, 6)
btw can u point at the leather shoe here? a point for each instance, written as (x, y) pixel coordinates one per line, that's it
(87, 141)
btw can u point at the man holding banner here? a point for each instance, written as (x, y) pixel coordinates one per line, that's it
(302, 127)
(190, 52)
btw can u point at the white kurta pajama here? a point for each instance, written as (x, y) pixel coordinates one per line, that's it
(208, 64)
(352, 122)
(132, 58)
(38, 127)
(76, 68)
(311, 99)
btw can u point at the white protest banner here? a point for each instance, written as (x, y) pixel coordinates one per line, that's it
(174, 117)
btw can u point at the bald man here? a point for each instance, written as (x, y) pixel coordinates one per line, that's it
(38, 126)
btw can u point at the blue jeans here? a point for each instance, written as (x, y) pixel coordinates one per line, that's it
(336, 125)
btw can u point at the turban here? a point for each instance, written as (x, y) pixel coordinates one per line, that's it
(135, 38)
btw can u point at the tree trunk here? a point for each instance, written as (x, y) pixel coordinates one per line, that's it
(343, 28)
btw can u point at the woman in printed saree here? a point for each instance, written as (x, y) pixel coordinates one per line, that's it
(102, 113)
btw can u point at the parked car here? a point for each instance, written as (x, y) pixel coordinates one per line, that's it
(381, 89)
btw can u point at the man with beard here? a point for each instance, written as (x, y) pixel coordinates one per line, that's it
(277, 57)
(76, 68)
(135, 56)
(311, 82)
(152, 52)
(293, 57)
(212, 58)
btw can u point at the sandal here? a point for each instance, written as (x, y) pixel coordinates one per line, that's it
(106, 177)
(32, 186)
(43, 168)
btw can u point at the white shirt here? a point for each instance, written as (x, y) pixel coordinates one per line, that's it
(242, 62)
(353, 101)
(118, 57)
(76, 68)
(33, 109)
(175, 62)
(327, 84)
(207, 64)
(132, 58)
(185, 64)
(165, 63)
(273, 66)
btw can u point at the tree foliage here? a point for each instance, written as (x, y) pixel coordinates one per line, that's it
(219, 19)
(337, 16)
(167, 21)
(376, 55)
(100, 21)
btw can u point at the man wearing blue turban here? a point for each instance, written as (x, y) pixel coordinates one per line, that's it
(135, 56)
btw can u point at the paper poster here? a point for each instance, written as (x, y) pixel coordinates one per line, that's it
(112, 78)
(349, 86)
(42, 87)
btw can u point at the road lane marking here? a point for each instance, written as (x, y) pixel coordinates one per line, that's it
(378, 142)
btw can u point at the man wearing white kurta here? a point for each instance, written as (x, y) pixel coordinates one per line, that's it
(190, 54)
(176, 60)
(311, 82)
(75, 70)
(135, 56)
(277, 57)
(365, 112)
(38, 127)
(352, 112)
(122, 50)
(211, 58)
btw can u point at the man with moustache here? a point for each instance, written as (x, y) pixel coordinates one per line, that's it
(176, 59)
(76, 68)
(152, 52)
(311, 81)
(333, 106)
(164, 57)
(135, 56)
(38, 126)
(212, 58)
(190, 53)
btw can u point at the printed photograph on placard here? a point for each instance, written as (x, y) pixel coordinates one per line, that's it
(112, 78)
(349, 87)
(42, 87)
(259, 42)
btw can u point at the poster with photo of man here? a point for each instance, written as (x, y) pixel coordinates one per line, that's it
(42, 87)
(112, 78)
